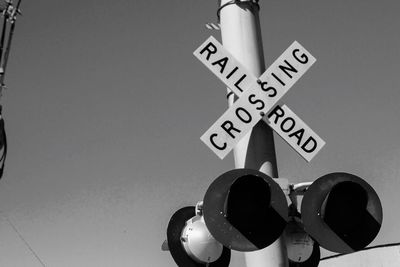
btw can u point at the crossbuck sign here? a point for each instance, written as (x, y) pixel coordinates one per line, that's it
(258, 98)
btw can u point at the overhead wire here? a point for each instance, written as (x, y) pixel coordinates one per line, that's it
(24, 241)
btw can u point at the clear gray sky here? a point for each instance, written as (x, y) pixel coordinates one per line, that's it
(106, 105)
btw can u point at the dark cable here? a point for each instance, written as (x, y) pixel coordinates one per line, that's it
(234, 2)
(3, 143)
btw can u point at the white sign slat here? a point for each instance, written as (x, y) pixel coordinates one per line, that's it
(225, 66)
(294, 131)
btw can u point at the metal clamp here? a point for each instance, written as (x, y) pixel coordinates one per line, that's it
(234, 2)
(199, 208)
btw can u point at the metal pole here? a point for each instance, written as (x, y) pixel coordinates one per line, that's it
(3, 31)
(241, 35)
(13, 18)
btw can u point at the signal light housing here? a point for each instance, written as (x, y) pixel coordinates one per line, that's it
(312, 261)
(341, 212)
(245, 210)
(302, 250)
(184, 232)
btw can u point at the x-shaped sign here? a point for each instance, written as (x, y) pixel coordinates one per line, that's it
(257, 98)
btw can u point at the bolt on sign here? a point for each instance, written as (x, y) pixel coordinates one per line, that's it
(257, 98)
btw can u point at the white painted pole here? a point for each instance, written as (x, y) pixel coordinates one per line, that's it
(241, 35)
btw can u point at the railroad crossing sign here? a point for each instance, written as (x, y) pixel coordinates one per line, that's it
(257, 98)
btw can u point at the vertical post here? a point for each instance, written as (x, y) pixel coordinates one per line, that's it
(241, 35)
